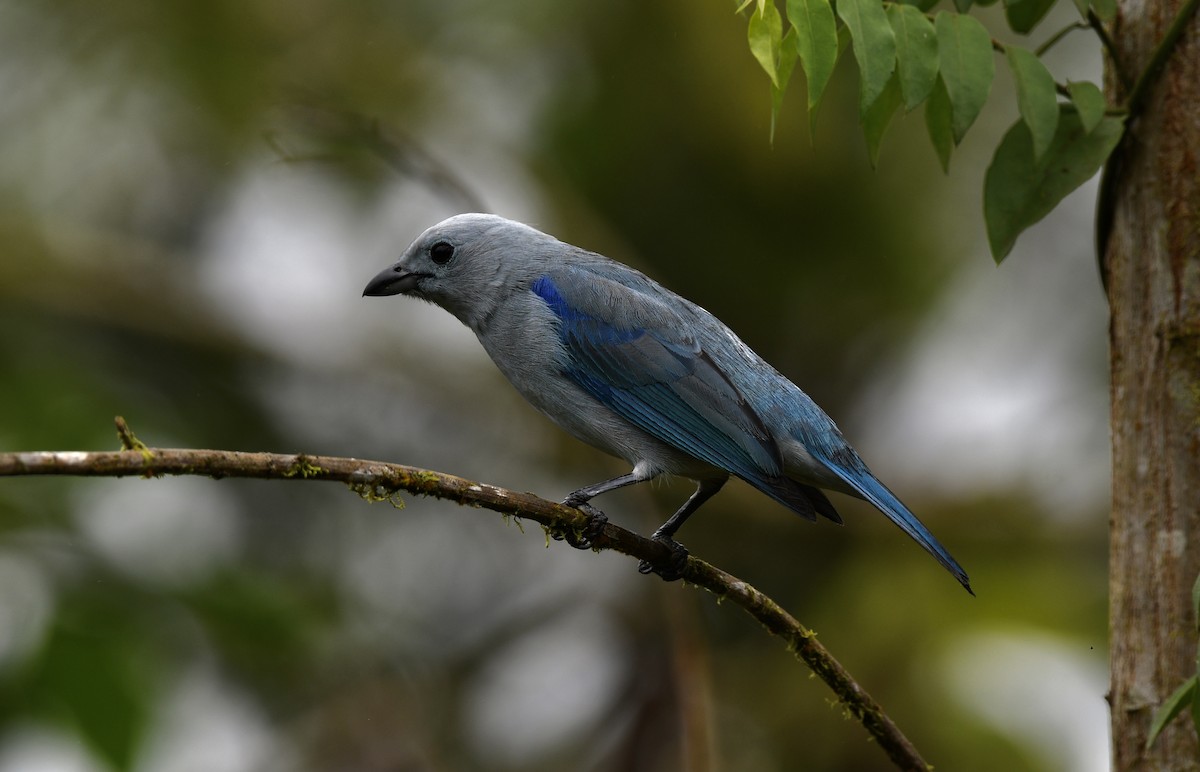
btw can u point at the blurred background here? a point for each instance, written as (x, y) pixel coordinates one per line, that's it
(192, 196)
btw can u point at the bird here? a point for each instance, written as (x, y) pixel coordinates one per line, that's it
(630, 367)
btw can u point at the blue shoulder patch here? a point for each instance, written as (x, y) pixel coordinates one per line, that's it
(545, 289)
(580, 324)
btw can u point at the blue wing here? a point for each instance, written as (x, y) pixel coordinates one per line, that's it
(634, 355)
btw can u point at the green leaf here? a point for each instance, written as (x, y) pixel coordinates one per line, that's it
(967, 69)
(1019, 190)
(916, 53)
(817, 43)
(1196, 602)
(874, 47)
(786, 64)
(1089, 101)
(766, 34)
(922, 5)
(877, 117)
(1181, 698)
(1024, 15)
(1036, 96)
(1105, 9)
(938, 122)
(962, 6)
(1196, 708)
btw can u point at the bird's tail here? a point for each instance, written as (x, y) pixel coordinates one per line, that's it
(871, 489)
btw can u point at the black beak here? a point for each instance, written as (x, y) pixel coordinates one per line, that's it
(392, 281)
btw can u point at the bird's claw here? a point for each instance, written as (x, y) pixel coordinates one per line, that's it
(583, 538)
(673, 570)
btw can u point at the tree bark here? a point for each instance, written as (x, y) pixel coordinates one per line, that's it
(1153, 257)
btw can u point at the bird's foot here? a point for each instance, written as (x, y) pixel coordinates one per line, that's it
(582, 538)
(673, 569)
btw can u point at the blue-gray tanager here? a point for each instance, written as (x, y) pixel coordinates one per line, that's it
(629, 367)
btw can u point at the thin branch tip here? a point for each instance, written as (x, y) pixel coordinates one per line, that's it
(129, 440)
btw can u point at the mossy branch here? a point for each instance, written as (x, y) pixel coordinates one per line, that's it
(378, 481)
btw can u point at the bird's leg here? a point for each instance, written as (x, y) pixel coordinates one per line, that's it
(666, 532)
(596, 519)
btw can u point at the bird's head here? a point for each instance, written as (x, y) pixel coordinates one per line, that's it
(466, 264)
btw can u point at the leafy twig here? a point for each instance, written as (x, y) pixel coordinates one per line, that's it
(378, 480)
(1059, 88)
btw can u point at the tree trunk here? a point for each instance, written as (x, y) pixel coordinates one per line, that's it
(1153, 259)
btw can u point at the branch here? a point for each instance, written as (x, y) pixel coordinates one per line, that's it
(1059, 88)
(1054, 39)
(381, 481)
(1106, 40)
(342, 130)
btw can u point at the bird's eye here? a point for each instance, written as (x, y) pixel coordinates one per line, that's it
(441, 252)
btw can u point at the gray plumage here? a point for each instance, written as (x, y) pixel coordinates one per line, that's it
(637, 371)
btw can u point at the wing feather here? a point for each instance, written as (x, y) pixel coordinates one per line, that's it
(656, 375)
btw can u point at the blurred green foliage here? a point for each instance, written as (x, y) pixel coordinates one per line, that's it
(145, 150)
